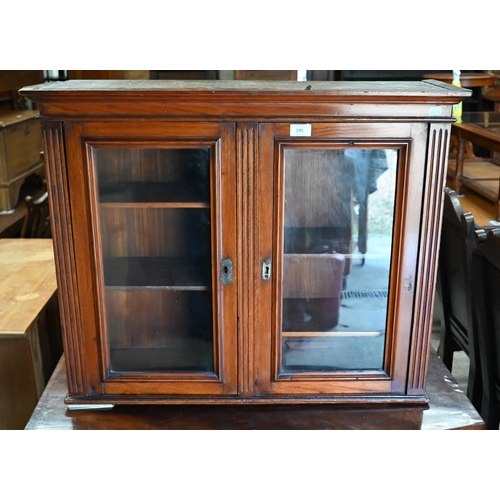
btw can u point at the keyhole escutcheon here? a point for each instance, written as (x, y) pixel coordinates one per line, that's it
(227, 271)
(266, 270)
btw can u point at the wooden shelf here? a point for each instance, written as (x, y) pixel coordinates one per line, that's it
(153, 204)
(331, 334)
(481, 169)
(158, 272)
(150, 194)
(188, 356)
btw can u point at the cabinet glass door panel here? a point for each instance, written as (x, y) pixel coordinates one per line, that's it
(155, 237)
(338, 213)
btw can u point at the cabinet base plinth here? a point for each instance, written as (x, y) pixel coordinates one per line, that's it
(88, 402)
(76, 407)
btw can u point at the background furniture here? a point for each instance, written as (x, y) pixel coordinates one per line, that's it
(477, 81)
(493, 95)
(448, 408)
(173, 253)
(30, 336)
(36, 221)
(466, 79)
(11, 82)
(486, 291)
(170, 74)
(457, 313)
(249, 74)
(20, 153)
(95, 74)
(11, 222)
(367, 75)
(479, 174)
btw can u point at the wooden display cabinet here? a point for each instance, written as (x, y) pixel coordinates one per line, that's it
(246, 242)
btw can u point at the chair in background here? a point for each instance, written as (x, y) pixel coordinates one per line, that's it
(486, 291)
(458, 321)
(36, 220)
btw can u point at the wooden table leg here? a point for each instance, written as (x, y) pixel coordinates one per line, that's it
(469, 148)
(498, 202)
(460, 166)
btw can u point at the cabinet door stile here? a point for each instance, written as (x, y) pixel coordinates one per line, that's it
(226, 332)
(264, 230)
(62, 232)
(247, 171)
(433, 192)
(84, 245)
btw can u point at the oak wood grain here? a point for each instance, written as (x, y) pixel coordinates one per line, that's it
(28, 282)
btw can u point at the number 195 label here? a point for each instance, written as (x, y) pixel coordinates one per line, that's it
(300, 130)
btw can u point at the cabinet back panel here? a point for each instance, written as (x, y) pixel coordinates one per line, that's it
(150, 165)
(155, 317)
(159, 329)
(154, 232)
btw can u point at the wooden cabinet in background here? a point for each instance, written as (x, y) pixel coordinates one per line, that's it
(11, 81)
(246, 242)
(14, 80)
(265, 74)
(180, 74)
(95, 74)
(101, 74)
(20, 153)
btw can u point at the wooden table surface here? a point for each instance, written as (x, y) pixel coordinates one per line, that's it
(27, 283)
(30, 336)
(449, 408)
(466, 79)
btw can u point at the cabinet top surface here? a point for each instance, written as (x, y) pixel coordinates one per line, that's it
(153, 89)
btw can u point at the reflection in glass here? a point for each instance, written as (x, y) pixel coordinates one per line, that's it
(154, 208)
(338, 220)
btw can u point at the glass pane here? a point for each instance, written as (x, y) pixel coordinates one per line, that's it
(338, 220)
(154, 207)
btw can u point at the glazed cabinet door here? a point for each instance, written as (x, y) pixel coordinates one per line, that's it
(154, 206)
(337, 257)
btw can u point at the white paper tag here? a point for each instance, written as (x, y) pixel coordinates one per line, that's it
(435, 111)
(300, 130)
